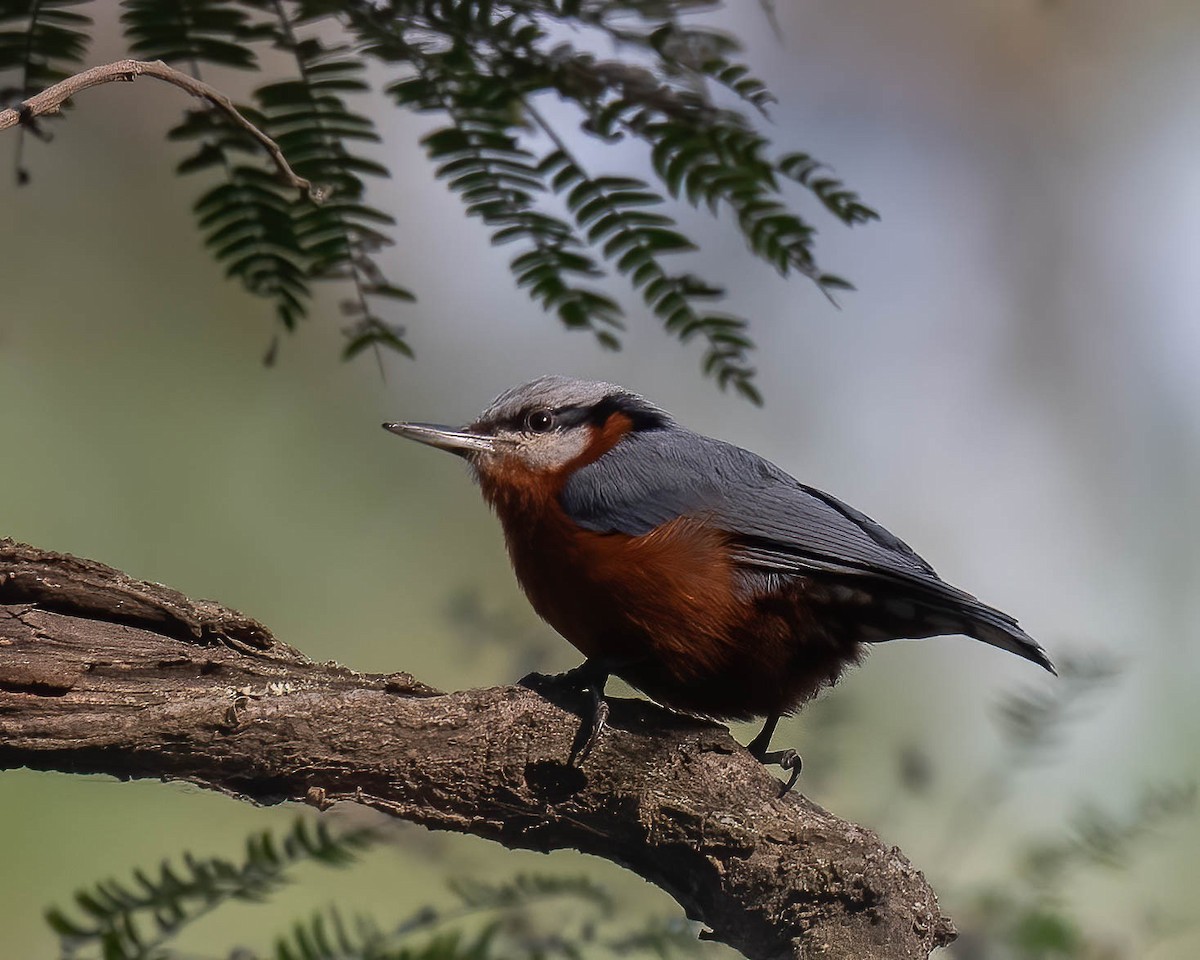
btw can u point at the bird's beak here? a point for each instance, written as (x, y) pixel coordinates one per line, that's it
(460, 442)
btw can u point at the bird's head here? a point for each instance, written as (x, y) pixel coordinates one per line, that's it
(541, 431)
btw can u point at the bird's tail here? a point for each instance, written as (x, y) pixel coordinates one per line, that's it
(1000, 630)
(940, 609)
(973, 618)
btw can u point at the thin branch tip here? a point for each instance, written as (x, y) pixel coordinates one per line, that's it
(50, 101)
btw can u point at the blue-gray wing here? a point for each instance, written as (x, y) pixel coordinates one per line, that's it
(777, 527)
(777, 522)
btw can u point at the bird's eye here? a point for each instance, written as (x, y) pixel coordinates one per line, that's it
(540, 421)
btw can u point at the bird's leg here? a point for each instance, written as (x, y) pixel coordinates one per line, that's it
(787, 759)
(589, 732)
(593, 672)
(592, 676)
(758, 746)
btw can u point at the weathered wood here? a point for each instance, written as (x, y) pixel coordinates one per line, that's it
(100, 673)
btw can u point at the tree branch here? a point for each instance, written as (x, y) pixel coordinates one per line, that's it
(100, 673)
(51, 99)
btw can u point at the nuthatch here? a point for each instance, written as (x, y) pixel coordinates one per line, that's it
(694, 570)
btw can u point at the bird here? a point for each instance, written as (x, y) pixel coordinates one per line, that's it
(696, 571)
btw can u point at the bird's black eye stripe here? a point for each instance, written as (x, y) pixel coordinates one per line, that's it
(573, 416)
(546, 419)
(543, 419)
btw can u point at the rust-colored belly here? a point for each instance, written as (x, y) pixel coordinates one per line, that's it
(668, 610)
(667, 594)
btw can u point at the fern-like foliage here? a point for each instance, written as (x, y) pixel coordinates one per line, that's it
(708, 155)
(191, 32)
(246, 215)
(247, 218)
(276, 243)
(309, 118)
(126, 920)
(329, 936)
(486, 69)
(663, 939)
(613, 211)
(41, 42)
(527, 888)
(139, 919)
(503, 922)
(1033, 720)
(499, 181)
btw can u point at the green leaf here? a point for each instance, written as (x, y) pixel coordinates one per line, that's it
(1041, 933)
(134, 923)
(484, 68)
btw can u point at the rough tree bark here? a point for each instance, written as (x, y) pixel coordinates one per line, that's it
(100, 673)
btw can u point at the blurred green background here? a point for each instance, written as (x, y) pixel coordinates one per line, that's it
(1014, 389)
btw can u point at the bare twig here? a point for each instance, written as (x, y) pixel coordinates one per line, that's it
(100, 673)
(50, 101)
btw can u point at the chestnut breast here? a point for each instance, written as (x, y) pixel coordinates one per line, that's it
(669, 595)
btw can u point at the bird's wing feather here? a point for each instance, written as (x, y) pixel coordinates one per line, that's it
(777, 522)
(777, 525)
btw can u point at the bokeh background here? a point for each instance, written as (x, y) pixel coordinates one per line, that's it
(1014, 388)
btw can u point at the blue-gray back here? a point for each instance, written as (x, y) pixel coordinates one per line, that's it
(778, 528)
(778, 523)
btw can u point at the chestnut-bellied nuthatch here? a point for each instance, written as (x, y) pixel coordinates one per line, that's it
(694, 570)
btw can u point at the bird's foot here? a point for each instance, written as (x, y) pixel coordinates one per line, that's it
(788, 760)
(590, 729)
(590, 676)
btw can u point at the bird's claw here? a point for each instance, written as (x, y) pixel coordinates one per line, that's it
(590, 676)
(590, 730)
(787, 759)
